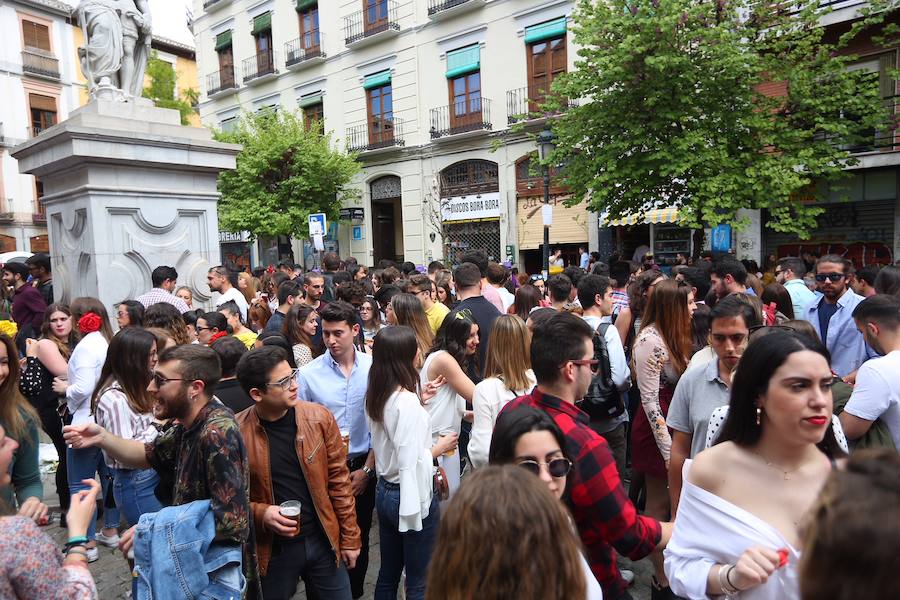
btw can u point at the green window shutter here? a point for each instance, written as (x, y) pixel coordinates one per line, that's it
(377, 80)
(262, 23)
(310, 100)
(223, 40)
(463, 61)
(885, 81)
(304, 4)
(545, 31)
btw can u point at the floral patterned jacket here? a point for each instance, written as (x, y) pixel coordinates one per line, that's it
(208, 460)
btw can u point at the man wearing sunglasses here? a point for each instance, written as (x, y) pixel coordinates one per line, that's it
(562, 357)
(279, 429)
(832, 317)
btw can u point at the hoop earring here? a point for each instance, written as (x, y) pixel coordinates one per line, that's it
(758, 415)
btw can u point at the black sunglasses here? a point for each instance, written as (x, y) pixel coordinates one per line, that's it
(558, 467)
(821, 277)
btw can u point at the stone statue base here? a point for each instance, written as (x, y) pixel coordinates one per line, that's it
(127, 188)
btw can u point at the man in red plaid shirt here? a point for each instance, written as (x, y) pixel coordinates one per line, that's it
(562, 357)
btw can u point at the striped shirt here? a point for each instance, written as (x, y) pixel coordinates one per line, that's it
(115, 415)
(157, 295)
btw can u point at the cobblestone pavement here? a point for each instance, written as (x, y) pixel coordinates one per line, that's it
(113, 577)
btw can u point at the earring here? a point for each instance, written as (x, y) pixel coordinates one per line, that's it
(758, 415)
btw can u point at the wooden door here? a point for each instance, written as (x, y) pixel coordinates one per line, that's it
(465, 100)
(264, 57)
(376, 15)
(381, 115)
(226, 67)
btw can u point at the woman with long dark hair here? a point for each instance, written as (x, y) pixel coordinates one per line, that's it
(370, 314)
(443, 285)
(408, 511)
(743, 500)
(123, 406)
(628, 322)
(527, 298)
(46, 359)
(84, 370)
(300, 328)
(450, 359)
(661, 354)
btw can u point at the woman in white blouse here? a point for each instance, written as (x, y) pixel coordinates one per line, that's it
(84, 368)
(508, 375)
(408, 512)
(743, 500)
(124, 407)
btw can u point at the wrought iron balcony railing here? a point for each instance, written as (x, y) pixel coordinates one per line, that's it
(258, 66)
(306, 47)
(472, 114)
(526, 103)
(378, 18)
(375, 134)
(437, 6)
(219, 81)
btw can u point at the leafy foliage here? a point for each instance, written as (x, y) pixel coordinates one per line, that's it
(713, 106)
(284, 173)
(162, 88)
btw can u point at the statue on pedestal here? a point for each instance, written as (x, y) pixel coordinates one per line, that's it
(117, 38)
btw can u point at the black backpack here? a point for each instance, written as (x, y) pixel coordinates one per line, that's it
(602, 400)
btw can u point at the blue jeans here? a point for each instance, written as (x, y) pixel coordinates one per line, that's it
(84, 463)
(133, 490)
(411, 550)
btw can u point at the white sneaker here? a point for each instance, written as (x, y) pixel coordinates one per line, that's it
(627, 575)
(108, 541)
(93, 555)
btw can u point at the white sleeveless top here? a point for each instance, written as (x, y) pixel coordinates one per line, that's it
(446, 409)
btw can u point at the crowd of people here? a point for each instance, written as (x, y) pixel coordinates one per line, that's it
(516, 435)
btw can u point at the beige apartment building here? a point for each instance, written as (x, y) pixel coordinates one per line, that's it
(426, 91)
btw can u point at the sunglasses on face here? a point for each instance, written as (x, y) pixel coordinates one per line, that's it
(557, 467)
(160, 381)
(833, 277)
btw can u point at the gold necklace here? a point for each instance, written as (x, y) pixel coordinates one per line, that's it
(786, 474)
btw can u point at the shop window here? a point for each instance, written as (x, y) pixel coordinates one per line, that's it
(43, 112)
(35, 35)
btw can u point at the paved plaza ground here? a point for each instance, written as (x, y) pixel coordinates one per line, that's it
(114, 578)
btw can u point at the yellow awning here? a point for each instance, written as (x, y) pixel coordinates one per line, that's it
(656, 215)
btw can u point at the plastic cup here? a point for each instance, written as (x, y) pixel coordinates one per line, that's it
(291, 510)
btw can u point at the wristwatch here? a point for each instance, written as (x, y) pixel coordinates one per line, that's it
(369, 472)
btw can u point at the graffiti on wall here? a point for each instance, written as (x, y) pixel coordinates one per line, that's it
(862, 253)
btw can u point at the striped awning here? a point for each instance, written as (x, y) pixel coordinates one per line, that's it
(656, 215)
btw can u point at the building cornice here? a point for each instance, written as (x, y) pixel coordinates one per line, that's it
(49, 6)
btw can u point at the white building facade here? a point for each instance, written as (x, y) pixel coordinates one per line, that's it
(38, 87)
(426, 91)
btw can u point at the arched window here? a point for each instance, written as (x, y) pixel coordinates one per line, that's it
(469, 177)
(385, 187)
(530, 183)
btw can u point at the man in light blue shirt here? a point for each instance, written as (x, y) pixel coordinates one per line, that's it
(832, 317)
(790, 272)
(338, 380)
(584, 259)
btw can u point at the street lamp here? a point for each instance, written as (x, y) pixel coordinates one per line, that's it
(546, 142)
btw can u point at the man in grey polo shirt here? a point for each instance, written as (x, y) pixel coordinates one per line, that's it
(702, 390)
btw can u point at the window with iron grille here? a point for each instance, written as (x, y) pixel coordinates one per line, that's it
(469, 177)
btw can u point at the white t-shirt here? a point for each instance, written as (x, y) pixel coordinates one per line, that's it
(877, 393)
(235, 295)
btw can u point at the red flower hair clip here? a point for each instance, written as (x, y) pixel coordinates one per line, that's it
(89, 323)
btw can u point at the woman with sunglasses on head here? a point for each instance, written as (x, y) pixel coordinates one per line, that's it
(507, 375)
(529, 438)
(408, 511)
(300, 328)
(45, 359)
(33, 566)
(123, 406)
(448, 362)
(660, 356)
(744, 499)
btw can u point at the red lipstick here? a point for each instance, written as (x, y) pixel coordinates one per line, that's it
(817, 420)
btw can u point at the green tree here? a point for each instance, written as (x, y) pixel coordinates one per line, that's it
(162, 89)
(675, 109)
(284, 173)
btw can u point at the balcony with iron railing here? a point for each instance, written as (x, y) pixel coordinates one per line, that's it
(466, 116)
(219, 82)
(525, 104)
(36, 130)
(377, 134)
(833, 11)
(211, 5)
(372, 24)
(307, 49)
(876, 142)
(34, 62)
(438, 9)
(259, 68)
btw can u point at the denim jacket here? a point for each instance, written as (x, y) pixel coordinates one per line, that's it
(175, 556)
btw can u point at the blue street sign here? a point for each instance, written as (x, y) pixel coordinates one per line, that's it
(317, 224)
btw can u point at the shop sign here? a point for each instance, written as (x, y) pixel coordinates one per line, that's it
(352, 214)
(231, 237)
(468, 208)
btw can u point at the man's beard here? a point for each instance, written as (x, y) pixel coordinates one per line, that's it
(172, 409)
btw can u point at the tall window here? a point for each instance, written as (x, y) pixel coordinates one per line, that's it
(262, 32)
(38, 195)
(546, 61)
(35, 35)
(314, 113)
(43, 112)
(225, 53)
(309, 30)
(381, 114)
(465, 99)
(376, 14)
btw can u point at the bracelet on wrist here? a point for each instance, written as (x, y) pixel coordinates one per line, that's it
(78, 539)
(720, 576)
(76, 551)
(733, 588)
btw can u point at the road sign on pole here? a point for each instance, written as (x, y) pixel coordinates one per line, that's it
(317, 224)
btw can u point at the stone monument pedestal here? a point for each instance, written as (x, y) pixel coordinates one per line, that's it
(127, 188)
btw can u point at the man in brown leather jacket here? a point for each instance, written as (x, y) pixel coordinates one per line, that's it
(296, 453)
